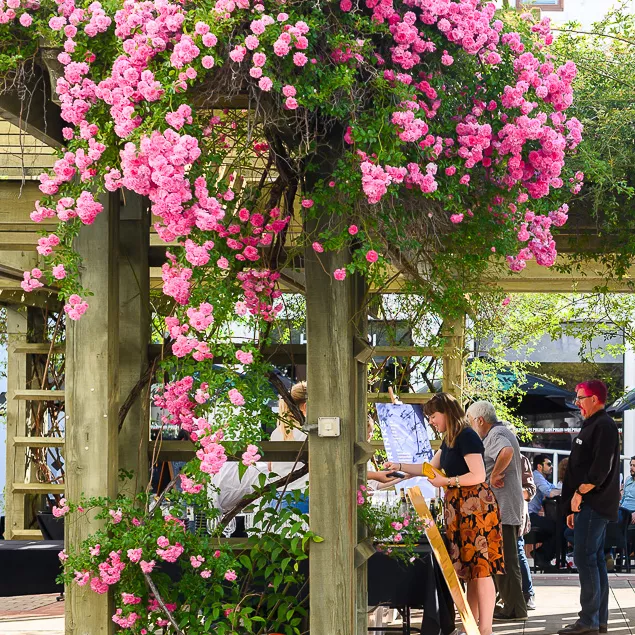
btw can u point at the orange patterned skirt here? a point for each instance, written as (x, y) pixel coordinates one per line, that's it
(474, 531)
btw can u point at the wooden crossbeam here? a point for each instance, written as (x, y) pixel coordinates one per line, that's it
(272, 450)
(409, 397)
(39, 442)
(38, 348)
(27, 534)
(37, 488)
(38, 395)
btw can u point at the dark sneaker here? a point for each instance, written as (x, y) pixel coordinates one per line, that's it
(604, 628)
(499, 616)
(577, 629)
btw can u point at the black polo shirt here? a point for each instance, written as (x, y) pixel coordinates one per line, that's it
(595, 459)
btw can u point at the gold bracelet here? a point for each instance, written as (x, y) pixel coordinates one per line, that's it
(458, 483)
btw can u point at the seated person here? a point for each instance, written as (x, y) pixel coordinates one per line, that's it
(288, 429)
(627, 504)
(546, 527)
(562, 468)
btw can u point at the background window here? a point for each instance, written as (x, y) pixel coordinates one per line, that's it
(544, 5)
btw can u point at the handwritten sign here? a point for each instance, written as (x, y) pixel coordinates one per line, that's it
(444, 560)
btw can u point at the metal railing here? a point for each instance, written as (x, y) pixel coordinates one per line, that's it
(555, 457)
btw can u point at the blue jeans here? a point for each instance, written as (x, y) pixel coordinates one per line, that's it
(588, 553)
(528, 588)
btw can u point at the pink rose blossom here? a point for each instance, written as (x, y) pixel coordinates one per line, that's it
(265, 84)
(244, 357)
(339, 274)
(236, 398)
(134, 555)
(371, 255)
(147, 567)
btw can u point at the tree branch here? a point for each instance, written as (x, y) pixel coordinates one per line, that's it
(133, 395)
(157, 595)
(285, 480)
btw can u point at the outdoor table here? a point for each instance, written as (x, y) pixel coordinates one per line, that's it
(415, 585)
(30, 567)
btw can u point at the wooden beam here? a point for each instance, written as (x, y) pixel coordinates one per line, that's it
(330, 313)
(37, 395)
(407, 397)
(364, 452)
(32, 110)
(39, 349)
(454, 356)
(274, 451)
(16, 422)
(38, 298)
(363, 551)
(37, 488)
(92, 405)
(134, 335)
(39, 442)
(407, 351)
(27, 534)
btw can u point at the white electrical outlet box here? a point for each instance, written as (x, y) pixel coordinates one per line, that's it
(328, 426)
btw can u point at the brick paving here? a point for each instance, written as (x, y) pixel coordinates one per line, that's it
(25, 606)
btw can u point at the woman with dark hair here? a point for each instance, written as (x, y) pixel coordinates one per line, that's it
(474, 531)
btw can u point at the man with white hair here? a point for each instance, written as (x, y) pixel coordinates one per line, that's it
(503, 466)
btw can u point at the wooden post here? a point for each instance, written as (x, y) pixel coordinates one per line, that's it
(134, 337)
(360, 381)
(92, 402)
(334, 391)
(454, 356)
(16, 423)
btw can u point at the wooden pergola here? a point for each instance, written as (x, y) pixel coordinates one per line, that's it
(107, 352)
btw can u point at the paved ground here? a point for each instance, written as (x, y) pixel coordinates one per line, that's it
(557, 600)
(31, 615)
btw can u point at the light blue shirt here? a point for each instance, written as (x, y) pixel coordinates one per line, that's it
(543, 489)
(628, 498)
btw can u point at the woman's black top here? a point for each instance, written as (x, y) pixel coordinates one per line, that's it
(453, 459)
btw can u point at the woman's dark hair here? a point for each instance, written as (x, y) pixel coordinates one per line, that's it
(446, 404)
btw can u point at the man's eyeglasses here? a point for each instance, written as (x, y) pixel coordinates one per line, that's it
(579, 398)
(547, 463)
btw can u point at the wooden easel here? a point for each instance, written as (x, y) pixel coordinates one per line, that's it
(445, 563)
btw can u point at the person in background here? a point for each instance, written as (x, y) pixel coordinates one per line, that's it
(591, 492)
(562, 468)
(545, 526)
(474, 532)
(288, 429)
(529, 491)
(503, 471)
(627, 504)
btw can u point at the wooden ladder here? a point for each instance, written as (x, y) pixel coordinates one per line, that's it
(18, 397)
